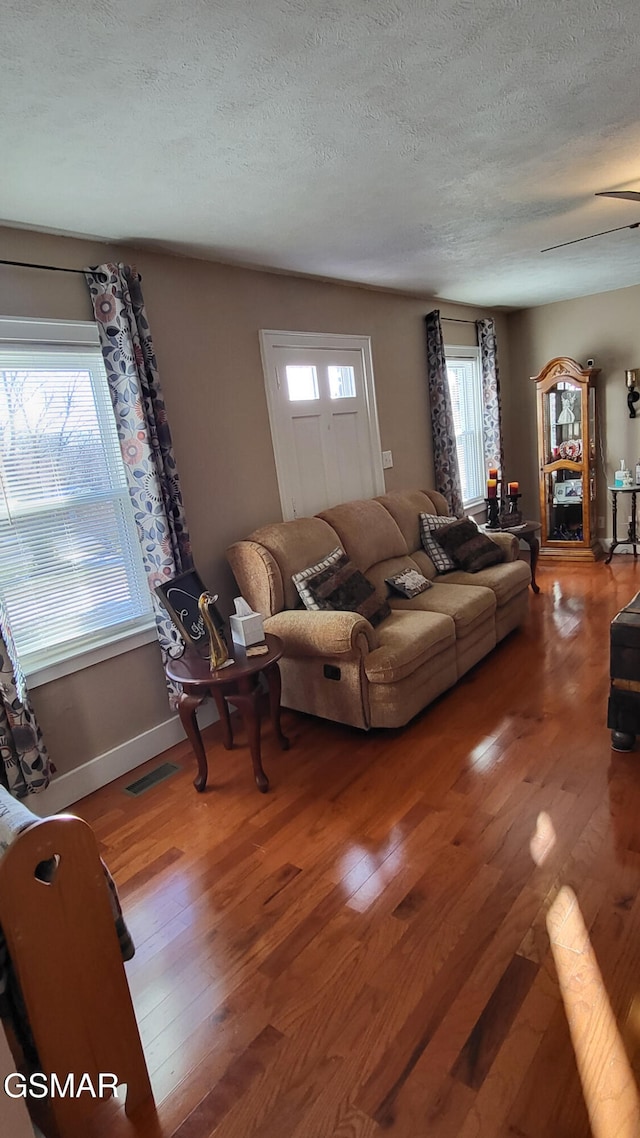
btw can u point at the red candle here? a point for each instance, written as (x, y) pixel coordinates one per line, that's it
(493, 472)
(514, 487)
(492, 488)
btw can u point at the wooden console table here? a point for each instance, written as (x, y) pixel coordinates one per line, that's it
(632, 532)
(237, 684)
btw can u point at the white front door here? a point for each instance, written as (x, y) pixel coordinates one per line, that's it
(323, 419)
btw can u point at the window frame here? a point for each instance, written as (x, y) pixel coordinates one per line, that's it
(464, 353)
(110, 641)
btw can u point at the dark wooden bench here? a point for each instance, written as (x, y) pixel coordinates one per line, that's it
(624, 694)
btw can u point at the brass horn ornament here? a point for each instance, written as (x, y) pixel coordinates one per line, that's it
(219, 653)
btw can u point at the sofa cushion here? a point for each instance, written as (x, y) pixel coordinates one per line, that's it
(366, 531)
(405, 507)
(467, 607)
(505, 581)
(407, 640)
(424, 563)
(467, 547)
(408, 582)
(378, 574)
(429, 524)
(336, 583)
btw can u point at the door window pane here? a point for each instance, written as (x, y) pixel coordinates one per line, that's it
(342, 382)
(302, 382)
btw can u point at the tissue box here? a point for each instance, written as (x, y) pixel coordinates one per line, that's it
(247, 630)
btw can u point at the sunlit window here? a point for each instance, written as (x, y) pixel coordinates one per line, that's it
(71, 570)
(465, 387)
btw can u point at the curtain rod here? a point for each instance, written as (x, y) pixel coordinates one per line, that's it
(61, 269)
(50, 268)
(457, 320)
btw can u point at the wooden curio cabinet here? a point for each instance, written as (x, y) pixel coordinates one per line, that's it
(566, 399)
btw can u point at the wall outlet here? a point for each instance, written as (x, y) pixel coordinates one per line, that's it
(600, 523)
(387, 460)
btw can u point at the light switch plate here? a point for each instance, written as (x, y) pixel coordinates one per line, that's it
(387, 460)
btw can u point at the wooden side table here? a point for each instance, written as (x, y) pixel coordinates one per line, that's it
(236, 684)
(632, 537)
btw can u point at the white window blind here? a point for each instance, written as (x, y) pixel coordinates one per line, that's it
(465, 386)
(71, 573)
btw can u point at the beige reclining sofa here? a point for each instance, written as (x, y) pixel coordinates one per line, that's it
(336, 664)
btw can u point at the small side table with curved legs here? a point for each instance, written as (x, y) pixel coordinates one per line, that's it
(236, 684)
(632, 537)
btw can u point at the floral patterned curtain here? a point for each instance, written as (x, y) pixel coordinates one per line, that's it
(491, 418)
(445, 455)
(143, 431)
(24, 762)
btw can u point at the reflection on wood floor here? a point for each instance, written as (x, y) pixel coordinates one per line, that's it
(365, 948)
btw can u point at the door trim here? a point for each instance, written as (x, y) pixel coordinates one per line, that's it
(275, 338)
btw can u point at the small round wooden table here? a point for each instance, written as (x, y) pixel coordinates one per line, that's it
(237, 684)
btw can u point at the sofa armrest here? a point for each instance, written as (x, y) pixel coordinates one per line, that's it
(508, 543)
(322, 633)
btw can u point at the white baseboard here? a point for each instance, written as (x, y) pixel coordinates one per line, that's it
(66, 789)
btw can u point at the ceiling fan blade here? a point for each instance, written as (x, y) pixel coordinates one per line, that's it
(627, 195)
(590, 236)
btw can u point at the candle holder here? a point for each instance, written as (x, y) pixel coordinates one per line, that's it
(493, 512)
(510, 514)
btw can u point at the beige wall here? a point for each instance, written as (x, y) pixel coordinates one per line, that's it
(205, 320)
(604, 327)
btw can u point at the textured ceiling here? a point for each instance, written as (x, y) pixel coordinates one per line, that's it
(434, 146)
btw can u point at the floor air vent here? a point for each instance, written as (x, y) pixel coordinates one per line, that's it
(165, 770)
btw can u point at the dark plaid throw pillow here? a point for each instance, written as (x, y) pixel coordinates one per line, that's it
(467, 547)
(343, 587)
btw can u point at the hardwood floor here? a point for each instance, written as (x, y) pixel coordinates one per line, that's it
(416, 931)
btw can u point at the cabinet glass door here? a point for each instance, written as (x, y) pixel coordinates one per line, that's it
(591, 445)
(563, 444)
(564, 506)
(567, 441)
(563, 423)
